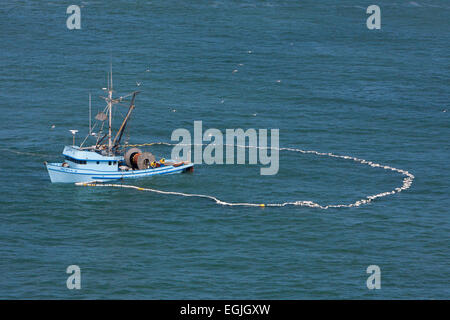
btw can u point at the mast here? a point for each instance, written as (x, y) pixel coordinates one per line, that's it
(113, 143)
(110, 91)
(90, 121)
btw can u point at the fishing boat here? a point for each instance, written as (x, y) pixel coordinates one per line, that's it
(107, 159)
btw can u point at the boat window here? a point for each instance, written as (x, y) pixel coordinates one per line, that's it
(98, 162)
(109, 162)
(75, 160)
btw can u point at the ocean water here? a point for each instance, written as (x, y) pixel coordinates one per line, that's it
(311, 69)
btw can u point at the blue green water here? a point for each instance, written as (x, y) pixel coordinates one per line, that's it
(381, 95)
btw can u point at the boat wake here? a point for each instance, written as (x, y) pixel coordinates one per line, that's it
(407, 182)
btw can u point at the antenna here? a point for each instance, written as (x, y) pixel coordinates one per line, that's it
(90, 122)
(110, 72)
(74, 132)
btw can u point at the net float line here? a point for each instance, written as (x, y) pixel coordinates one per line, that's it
(407, 182)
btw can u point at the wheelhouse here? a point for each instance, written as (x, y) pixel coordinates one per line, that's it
(75, 157)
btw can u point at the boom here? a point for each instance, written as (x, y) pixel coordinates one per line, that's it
(119, 134)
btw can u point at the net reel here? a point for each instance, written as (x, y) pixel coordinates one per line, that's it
(136, 159)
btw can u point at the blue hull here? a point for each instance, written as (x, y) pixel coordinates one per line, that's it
(60, 174)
